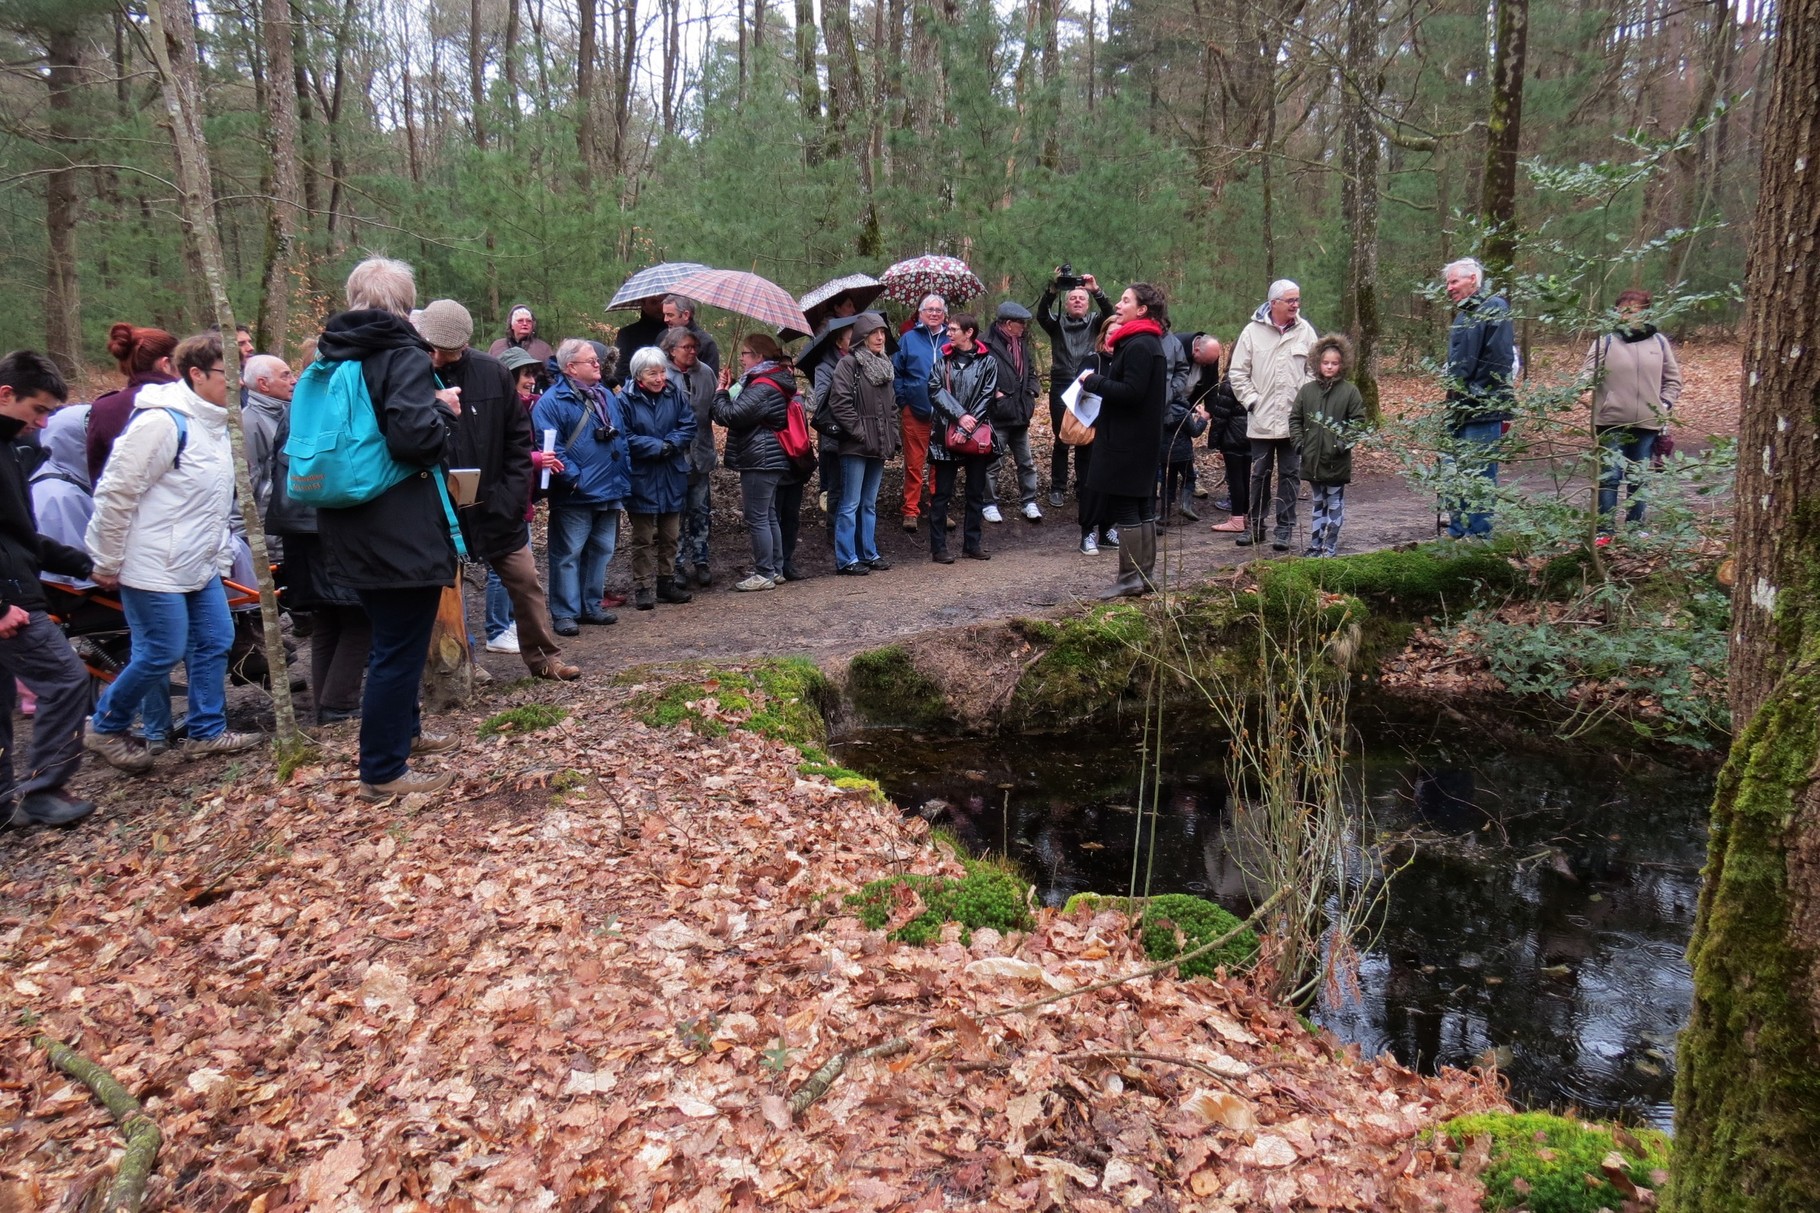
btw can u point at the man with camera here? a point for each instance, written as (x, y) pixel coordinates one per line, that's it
(1071, 336)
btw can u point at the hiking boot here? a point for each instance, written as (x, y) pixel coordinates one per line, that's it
(557, 671)
(49, 807)
(645, 597)
(117, 750)
(703, 577)
(667, 592)
(434, 743)
(910, 523)
(405, 785)
(565, 627)
(941, 557)
(600, 618)
(791, 573)
(976, 554)
(220, 743)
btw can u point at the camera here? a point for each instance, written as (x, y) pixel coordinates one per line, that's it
(1065, 277)
(605, 433)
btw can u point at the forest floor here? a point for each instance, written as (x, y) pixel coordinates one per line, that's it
(594, 975)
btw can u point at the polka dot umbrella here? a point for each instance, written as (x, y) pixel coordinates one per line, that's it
(931, 274)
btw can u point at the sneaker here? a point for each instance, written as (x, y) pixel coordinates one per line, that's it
(754, 583)
(434, 743)
(1090, 546)
(599, 618)
(505, 642)
(117, 750)
(1031, 513)
(991, 514)
(49, 807)
(878, 564)
(1224, 503)
(1111, 539)
(609, 600)
(405, 785)
(1056, 499)
(1312, 550)
(220, 743)
(822, 501)
(483, 677)
(856, 569)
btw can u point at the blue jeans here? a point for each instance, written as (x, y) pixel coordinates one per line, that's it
(1484, 434)
(856, 518)
(581, 544)
(389, 711)
(1622, 452)
(499, 603)
(168, 628)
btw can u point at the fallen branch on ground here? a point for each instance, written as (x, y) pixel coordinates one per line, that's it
(127, 1192)
(819, 1082)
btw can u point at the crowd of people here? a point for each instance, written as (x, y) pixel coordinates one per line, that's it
(134, 495)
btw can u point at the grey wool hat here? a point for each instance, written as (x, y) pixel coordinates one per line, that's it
(1011, 309)
(446, 325)
(866, 322)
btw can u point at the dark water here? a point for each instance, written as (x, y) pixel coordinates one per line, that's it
(1542, 917)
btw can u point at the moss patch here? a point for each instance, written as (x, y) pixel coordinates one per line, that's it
(1426, 580)
(1089, 667)
(1549, 1164)
(887, 688)
(527, 718)
(785, 700)
(989, 895)
(1175, 923)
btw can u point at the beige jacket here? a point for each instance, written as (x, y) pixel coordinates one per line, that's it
(1268, 368)
(1638, 381)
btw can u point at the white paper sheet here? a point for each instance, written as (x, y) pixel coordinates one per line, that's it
(1083, 404)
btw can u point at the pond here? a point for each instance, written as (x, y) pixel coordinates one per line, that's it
(1541, 919)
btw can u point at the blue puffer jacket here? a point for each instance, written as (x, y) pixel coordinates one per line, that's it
(594, 474)
(660, 482)
(918, 352)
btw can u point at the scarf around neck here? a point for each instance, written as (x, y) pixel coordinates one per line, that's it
(875, 368)
(1143, 324)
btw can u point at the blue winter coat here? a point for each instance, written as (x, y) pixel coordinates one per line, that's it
(1481, 355)
(595, 474)
(660, 482)
(918, 352)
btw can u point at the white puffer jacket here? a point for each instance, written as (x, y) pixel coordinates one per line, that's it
(161, 523)
(1269, 366)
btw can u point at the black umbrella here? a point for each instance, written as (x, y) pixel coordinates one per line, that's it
(823, 344)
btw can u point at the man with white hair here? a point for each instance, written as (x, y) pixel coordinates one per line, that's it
(267, 382)
(1481, 364)
(1269, 366)
(919, 352)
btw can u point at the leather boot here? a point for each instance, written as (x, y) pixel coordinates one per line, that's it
(1144, 557)
(667, 591)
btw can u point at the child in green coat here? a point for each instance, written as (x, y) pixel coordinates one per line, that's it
(1323, 423)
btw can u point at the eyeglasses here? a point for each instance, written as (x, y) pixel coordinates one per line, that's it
(215, 370)
(584, 362)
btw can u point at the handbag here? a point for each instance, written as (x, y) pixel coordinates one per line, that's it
(1073, 433)
(965, 443)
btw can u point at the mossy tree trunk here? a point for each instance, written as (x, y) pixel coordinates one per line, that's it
(1747, 1101)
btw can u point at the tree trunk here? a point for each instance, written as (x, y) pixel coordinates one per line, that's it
(1503, 130)
(62, 297)
(172, 39)
(477, 74)
(816, 140)
(1747, 1095)
(585, 142)
(672, 65)
(272, 330)
(1359, 191)
(508, 63)
(625, 65)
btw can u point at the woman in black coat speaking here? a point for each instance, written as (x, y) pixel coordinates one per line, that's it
(1133, 389)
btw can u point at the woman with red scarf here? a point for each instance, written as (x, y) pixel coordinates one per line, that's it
(1133, 389)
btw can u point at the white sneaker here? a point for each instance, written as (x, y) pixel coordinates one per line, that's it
(1090, 546)
(505, 642)
(1031, 512)
(991, 514)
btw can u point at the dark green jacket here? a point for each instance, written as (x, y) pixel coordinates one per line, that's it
(1323, 410)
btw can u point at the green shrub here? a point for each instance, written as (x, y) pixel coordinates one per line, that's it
(988, 895)
(525, 719)
(1549, 1164)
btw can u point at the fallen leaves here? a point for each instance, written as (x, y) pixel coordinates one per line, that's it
(516, 999)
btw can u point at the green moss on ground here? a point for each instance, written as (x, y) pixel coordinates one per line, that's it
(989, 895)
(1089, 667)
(1176, 923)
(1429, 579)
(886, 688)
(527, 718)
(786, 700)
(1545, 1163)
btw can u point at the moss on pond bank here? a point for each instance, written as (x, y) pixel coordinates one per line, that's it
(1549, 1164)
(1178, 923)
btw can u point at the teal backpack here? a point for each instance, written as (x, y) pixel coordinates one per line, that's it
(338, 456)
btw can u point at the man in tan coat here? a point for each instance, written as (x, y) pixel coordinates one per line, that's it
(1269, 366)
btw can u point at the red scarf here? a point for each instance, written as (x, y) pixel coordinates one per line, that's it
(1131, 328)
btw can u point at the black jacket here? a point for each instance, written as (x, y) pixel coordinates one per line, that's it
(24, 553)
(1134, 391)
(1070, 341)
(970, 381)
(493, 434)
(400, 539)
(1180, 428)
(1228, 418)
(1017, 403)
(753, 420)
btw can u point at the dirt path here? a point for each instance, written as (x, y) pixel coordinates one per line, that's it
(827, 617)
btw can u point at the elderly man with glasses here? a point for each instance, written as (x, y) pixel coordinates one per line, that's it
(588, 493)
(919, 352)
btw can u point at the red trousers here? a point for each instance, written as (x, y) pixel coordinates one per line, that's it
(916, 460)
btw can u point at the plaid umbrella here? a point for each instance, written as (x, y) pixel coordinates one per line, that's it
(748, 295)
(931, 274)
(860, 288)
(660, 279)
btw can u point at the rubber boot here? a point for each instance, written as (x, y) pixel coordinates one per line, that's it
(1130, 581)
(1144, 557)
(667, 592)
(1187, 503)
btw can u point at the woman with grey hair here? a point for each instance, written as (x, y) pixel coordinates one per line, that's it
(395, 552)
(586, 495)
(660, 428)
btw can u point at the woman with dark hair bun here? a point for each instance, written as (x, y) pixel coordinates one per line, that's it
(144, 357)
(1133, 388)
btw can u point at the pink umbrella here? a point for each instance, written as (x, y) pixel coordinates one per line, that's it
(748, 295)
(931, 274)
